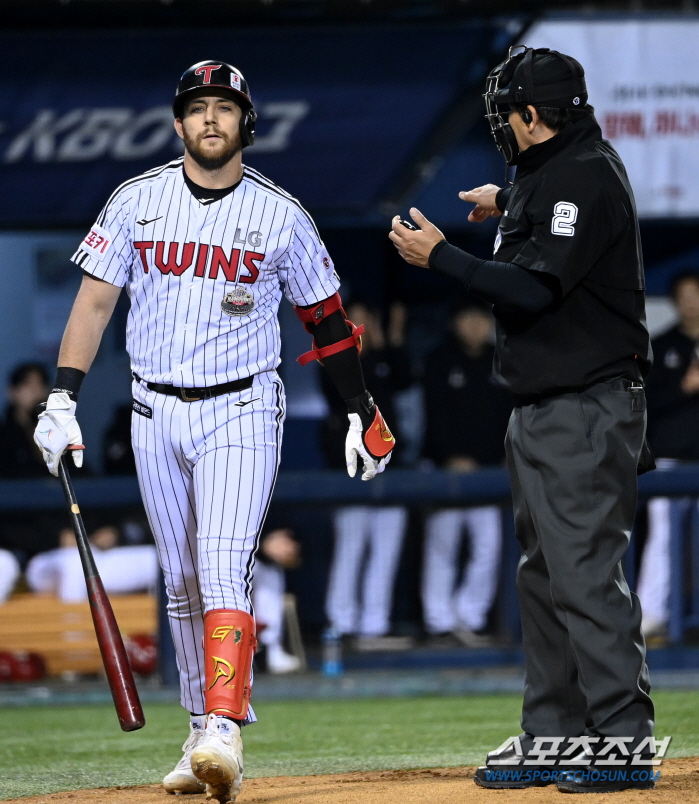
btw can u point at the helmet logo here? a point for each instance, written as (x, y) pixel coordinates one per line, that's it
(576, 101)
(206, 71)
(235, 81)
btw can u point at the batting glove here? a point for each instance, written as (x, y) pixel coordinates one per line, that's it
(57, 430)
(368, 438)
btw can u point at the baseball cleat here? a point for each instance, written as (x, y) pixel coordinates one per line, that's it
(600, 779)
(496, 779)
(217, 759)
(504, 769)
(280, 662)
(182, 779)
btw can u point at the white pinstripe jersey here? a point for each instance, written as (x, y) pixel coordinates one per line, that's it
(179, 257)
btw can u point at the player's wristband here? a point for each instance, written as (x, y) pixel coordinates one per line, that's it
(364, 406)
(68, 381)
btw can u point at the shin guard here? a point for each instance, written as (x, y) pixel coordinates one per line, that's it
(229, 645)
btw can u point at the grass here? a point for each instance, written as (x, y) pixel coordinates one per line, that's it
(46, 749)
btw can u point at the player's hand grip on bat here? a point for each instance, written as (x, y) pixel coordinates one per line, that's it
(57, 430)
(368, 438)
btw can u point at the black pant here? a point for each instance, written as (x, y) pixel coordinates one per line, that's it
(572, 461)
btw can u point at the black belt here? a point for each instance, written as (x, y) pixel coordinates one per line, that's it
(195, 394)
(618, 383)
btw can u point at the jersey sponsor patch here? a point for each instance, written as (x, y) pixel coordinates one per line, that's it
(142, 410)
(97, 242)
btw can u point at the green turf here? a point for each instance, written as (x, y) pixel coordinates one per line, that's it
(45, 749)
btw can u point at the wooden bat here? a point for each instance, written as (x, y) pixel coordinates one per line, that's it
(116, 663)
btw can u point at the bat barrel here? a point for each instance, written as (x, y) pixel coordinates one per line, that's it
(116, 663)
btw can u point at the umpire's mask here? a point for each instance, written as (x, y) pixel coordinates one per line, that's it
(539, 77)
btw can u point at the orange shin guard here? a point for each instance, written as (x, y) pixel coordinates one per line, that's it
(229, 645)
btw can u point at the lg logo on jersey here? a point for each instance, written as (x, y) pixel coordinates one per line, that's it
(213, 257)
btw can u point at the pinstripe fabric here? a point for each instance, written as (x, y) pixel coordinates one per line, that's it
(206, 471)
(178, 257)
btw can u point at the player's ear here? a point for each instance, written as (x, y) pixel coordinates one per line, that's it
(178, 128)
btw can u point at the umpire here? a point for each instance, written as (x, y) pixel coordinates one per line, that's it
(567, 289)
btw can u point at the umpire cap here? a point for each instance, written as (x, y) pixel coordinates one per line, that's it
(214, 74)
(544, 77)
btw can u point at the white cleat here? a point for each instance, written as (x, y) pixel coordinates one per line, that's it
(181, 779)
(217, 760)
(279, 661)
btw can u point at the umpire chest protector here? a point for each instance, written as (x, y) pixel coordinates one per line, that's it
(571, 220)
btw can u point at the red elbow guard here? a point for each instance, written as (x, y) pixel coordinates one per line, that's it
(355, 339)
(311, 316)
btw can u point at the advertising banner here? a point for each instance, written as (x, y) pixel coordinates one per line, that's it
(340, 110)
(643, 80)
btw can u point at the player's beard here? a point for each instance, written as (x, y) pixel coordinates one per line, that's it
(208, 160)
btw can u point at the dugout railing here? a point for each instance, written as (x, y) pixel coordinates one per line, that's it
(411, 488)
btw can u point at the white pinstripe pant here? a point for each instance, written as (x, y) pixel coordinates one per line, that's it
(206, 471)
(359, 528)
(446, 607)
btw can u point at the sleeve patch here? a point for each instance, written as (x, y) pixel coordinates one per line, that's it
(97, 242)
(564, 216)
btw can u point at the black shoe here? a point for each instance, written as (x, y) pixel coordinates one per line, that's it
(607, 778)
(514, 777)
(498, 776)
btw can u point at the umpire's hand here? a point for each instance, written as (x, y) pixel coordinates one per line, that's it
(484, 199)
(415, 246)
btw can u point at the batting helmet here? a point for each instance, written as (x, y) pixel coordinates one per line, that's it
(219, 75)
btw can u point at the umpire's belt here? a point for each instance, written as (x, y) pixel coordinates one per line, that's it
(195, 394)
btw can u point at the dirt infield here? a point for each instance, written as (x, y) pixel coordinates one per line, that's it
(679, 782)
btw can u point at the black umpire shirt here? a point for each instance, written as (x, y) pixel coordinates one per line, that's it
(571, 219)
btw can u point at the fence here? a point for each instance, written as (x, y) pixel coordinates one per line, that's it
(437, 488)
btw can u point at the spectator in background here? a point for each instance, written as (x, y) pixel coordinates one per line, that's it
(9, 573)
(118, 452)
(124, 570)
(278, 551)
(672, 393)
(21, 457)
(466, 415)
(30, 531)
(368, 539)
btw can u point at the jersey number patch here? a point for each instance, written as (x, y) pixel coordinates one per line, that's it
(564, 216)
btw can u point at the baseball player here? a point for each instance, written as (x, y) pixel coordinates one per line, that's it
(205, 246)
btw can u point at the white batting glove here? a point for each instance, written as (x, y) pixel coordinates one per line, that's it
(368, 438)
(355, 449)
(57, 430)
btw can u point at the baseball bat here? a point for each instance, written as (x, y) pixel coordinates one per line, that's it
(116, 663)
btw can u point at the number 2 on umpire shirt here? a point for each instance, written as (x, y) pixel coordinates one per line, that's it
(178, 258)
